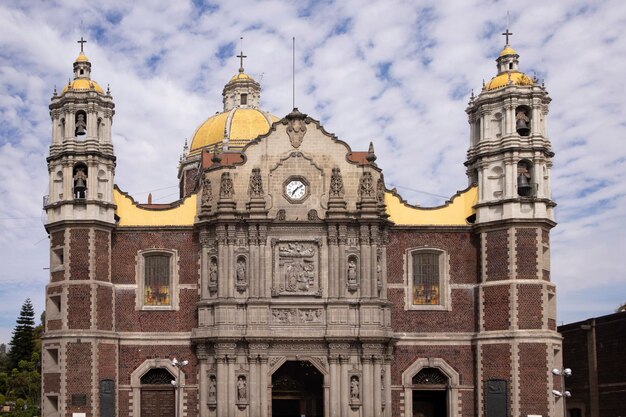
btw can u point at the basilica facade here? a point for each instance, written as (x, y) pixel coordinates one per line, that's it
(288, 280)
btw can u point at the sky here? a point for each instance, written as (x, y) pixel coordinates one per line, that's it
(397, 73)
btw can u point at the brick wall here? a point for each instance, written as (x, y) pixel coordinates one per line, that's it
(78, 376)
(126, 244)
(533, 378)
(530, 307)
(496, 307)
(462, 247)
(497, 255)
(79, 254)
(107, 361)
(460, 357)
(104, 310)
(51, 382)
(102, 255)
(496, 364)
(462, 318)
(526, 253)
(133, 356)
(79, 307)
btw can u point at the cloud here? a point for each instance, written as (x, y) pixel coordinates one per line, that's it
(391, 72)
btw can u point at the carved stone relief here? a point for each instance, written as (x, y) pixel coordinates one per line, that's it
(212, 391)
(296, 129)
(366, 186)
(336, 184)
(352, 274)
(212, 274)
(296, 268)
(256, 184)
(297, 315)
(207, 196)
(226, 186)
(241, 279)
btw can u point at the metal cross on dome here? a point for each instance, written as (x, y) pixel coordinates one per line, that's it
(81, 41)
(241, 56)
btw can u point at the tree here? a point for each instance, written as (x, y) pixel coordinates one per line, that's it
(22, 342)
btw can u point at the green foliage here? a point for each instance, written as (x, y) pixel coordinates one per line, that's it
(20, 380)
(22, 342)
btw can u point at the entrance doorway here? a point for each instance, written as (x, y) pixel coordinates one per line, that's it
(297, 390)
(157, 394)
(430, 393)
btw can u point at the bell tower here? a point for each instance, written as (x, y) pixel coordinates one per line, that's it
(80, 218)
(81, 162)
(510, 160)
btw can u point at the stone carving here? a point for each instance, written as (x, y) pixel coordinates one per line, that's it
(212, 400)
(284, 315)
(310, 315)
(256, 184)
(296, 265)
(380, 190)
(213, 274)
(241, 282)
(353, 282)
(274, 360)
(366, 185)
(297, 315)
(226, 186)
(336, 184)
(379, 273)
(242, 389)
(296, 250)
(207, 197)
(296, 128)
(281, 215)
(312, 215)
(355, 389)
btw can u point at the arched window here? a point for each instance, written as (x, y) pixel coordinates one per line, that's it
(427, 278)
(431, 388)
(157, 280)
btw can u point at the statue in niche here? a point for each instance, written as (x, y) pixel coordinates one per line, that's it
(352, 278)
(366, 186)
(212, 389)
(80, 183)
(336, 184)
(242, 389)
(81, 125)
(213, 272)
(256, 183)
(355, 390)
(206, 194)
(379, 273)
(241, 271)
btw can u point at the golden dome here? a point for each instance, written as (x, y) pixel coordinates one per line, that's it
(502, 80)
(508, 51)
(82, 58)
(239, 125)
(241, 76)
(83, 84)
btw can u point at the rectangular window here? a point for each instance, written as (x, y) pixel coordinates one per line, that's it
(426, 277)
(157, 288)
(244, 99)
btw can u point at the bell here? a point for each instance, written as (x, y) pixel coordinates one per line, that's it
(522, 127)
(80, 130)
(80, 185)
(523, 186)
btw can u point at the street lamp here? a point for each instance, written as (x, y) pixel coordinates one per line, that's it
(179, 366)
(563, 373)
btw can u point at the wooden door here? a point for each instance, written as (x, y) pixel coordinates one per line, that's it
(158, 401)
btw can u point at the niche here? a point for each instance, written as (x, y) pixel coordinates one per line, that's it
(522, 120)
(525, 185)
(241, 279)
(497, 181)
(79, 176)
(102, 182)
(80, 123)
(352, 273)
(476, 135)
(497, 125)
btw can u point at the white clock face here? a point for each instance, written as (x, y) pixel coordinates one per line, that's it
(295, 189)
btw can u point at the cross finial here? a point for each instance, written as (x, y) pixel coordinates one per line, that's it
(507, 34)
(81, 41)
(241, 56)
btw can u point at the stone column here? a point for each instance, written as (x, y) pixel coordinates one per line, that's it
(203, 381)
(510, 178)
(222, 285)
(231, 240)
(364, 272)
(264, 282)
(373, 260)
(333, 270)
(252, 384)
(342, 240)
(367, 386)
(335, 385)
(263, 386)
(232, 389)
(222, 385)
(345, 386)
(376, 392)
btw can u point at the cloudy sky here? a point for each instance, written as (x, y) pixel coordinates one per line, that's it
(398, 73)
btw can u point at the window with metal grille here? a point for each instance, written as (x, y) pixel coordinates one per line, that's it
(426, 278)
(157, 284)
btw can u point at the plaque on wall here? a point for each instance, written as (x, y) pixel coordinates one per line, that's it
(296, 268)
(79, 400)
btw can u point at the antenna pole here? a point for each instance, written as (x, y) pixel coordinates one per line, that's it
(293, 72)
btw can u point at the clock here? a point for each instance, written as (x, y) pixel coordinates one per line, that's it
(296, 189)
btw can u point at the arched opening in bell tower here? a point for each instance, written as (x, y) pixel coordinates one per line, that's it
(297, 390)
(79, 176)
(430, 393)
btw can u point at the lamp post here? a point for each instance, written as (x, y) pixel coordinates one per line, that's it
(179, 366)
(563, 373)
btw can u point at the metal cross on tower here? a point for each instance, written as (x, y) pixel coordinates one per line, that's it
(241, 56)
(507, 34)
(81, 41)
